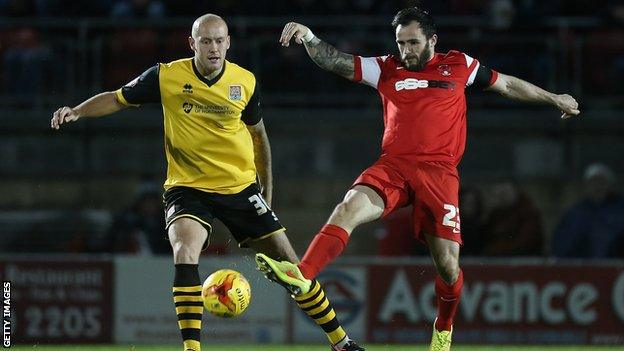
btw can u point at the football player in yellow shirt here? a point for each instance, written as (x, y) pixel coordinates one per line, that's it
(217, 149)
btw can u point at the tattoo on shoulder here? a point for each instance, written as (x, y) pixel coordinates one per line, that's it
(329, 58)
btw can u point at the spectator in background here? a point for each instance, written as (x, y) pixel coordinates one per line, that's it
(593, 228)
(514, 225)
(140, 229)
(501, 14)
(471, 214)
(138, 9)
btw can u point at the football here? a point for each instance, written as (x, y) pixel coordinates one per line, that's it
(226, 293)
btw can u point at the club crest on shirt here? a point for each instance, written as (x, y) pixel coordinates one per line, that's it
(236, 92)
(444, 70)
(187, 106)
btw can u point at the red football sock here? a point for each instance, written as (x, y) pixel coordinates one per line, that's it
(448, 300)
(326, 246)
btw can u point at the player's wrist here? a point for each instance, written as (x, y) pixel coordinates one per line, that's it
(308, 36)
(77, 112)
(553, 99)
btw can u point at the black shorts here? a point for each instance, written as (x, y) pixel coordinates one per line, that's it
(245, 214)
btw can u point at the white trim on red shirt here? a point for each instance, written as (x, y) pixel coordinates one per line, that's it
(371, 71)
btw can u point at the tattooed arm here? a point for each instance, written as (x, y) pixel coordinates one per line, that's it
(324, 55)
(262, 158)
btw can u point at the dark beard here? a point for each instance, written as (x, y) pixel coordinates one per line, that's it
(423, 58)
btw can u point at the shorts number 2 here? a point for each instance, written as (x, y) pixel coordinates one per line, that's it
(449, 217)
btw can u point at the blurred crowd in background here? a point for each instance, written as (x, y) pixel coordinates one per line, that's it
(566, 204)
(512, 11)
(587, 36)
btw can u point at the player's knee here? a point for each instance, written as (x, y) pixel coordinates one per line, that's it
(448, 268)
(342, 210)
(346, 211)
(184, 253)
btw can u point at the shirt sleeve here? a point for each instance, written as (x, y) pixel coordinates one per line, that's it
(484, 77)
(141, 90)
(252, 114)
(479, 76)
(367, 70)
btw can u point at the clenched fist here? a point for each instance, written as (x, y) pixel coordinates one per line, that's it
(568, 105)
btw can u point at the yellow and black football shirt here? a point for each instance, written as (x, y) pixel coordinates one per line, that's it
(207, 144)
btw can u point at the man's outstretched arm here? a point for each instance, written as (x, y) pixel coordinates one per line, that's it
(518, 89)
(324, 55)
(99, 105)
(143, 89)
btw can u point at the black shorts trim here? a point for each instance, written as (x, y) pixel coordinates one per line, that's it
(206, 225)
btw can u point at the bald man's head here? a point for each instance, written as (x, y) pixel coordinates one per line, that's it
(210, 41)
(207, 21)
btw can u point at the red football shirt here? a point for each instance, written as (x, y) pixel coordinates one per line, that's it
(425, 111)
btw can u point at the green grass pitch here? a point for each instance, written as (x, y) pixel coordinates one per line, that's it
(307, 348)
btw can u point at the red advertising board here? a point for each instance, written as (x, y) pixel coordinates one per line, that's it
(538, 304)
(59, 301)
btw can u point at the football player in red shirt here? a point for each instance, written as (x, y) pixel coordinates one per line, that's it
(424, 106)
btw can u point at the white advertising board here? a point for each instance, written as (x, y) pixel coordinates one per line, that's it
(144, 311)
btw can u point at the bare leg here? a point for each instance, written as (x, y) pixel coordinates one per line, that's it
(360, 205)
(448, 284)
(187, 237)
(445, 255)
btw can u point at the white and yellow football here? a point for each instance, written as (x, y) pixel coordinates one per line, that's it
(226, 293)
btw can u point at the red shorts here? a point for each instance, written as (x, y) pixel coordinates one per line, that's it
(431, 187)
